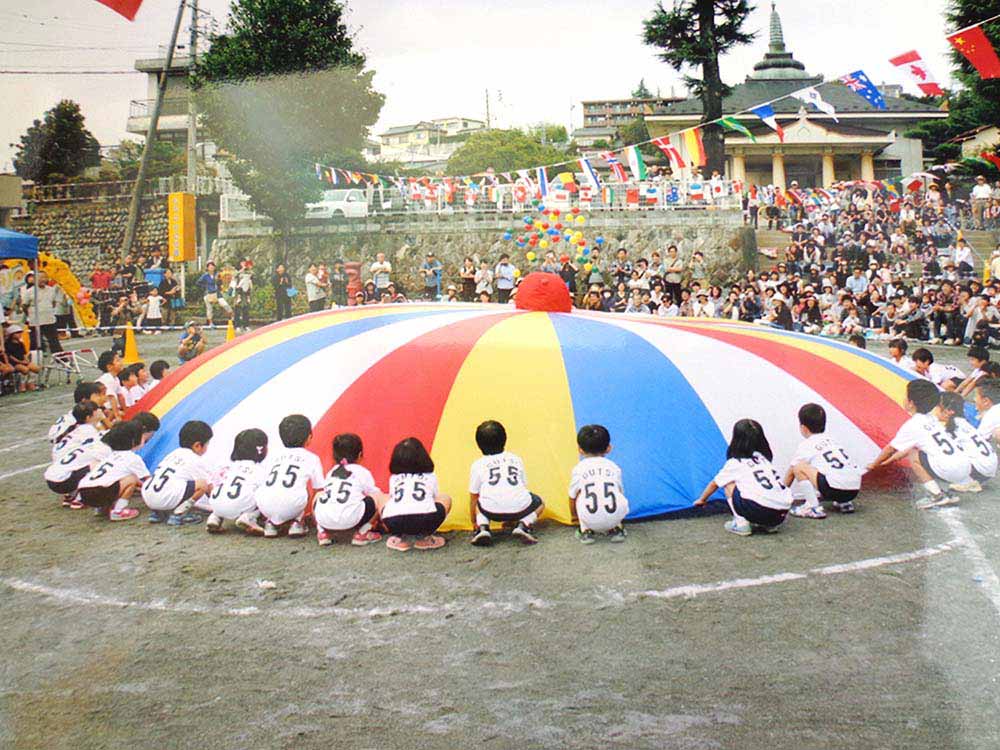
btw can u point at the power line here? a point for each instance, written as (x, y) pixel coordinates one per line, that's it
(70, 72)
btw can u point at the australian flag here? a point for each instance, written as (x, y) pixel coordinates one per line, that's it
(861, 85)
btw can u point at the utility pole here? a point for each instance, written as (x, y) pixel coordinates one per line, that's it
(192, 139)
(147, 149)
(487, 109)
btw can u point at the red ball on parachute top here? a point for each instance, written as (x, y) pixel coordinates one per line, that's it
(543, 292)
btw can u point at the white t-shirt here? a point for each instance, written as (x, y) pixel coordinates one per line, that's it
(980, 452)
(84, 434)
(501, 483)
(135, 394)
(380, 273)
(411, 494)
(115, 467)
(596, 487)
(288, 475)
(154, 307)
(937, 373)
(990, 422)
(236, 488)
(79, 457)
(341, 504)
(165, 489)
(62, 424)
(112, 386)
(757, 480)
(830, 459)
(313, 289)
(926, 433)
(905, 362)
(982, 192)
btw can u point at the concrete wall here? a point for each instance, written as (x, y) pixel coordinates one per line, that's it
(728, 245)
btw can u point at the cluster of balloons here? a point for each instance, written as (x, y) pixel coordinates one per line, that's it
(551, 228)
(83, 296)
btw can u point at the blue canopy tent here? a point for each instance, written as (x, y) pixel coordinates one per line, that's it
(18, 246)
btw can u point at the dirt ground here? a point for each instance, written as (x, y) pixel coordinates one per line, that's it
(877, 630)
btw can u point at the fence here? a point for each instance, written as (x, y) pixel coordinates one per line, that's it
(156, 187)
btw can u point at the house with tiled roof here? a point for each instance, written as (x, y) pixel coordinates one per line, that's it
(859, 142)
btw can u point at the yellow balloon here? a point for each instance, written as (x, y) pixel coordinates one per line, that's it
(538, 225)
(577, 236)
(530, 255)
(517, 273)
(581, 220)
(587, 267)
(543, 244)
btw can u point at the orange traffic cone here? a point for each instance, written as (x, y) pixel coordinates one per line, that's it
(131, 350)
(230, 331)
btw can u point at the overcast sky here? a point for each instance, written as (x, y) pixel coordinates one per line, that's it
(437, 58)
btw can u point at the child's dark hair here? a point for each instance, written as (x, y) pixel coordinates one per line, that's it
(899, 344)
(148, 421)
(156, 369)
(593, 439)
(84, 391)
(990, 389)
(347, 448)
(923, 355)
(250, 445)
(105, 360)
(491, 437)
(856, 339)
(813, 418)
(410, 457)
(980, 353)
(294, 430)
(123, 436)
(128, 372)
(923, 393)
(748, 439)
(954, 403)
(193, 432)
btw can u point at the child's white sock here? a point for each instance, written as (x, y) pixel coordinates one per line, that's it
(481, 520)
(932, 487)
(183, 508)
(529, 520)
(365, 527)
(804, 488)
(120, 505)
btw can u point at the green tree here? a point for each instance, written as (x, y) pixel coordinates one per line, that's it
(504, 150)
(282, 89)
(692, 35)
(637, 132)
(641, 92)
(553, 133)
(57, 147)
(977, 102)
(166, 160)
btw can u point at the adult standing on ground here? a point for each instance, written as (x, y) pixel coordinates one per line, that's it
(315, 289)
(430, 269)
(209, 283)
(242, 286)
(381, 271)
(484, 280)
(673, 273)
(468, 277)
(170, 290)
(981, 195)
(338, 284)
(44, 315)
(282, 282)
(504, 275)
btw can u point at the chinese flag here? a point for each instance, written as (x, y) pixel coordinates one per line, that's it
(127, 8)
(978, 51)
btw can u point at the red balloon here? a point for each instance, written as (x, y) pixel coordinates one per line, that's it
(575, 210)
(582, 243)
(545, 212)
(545, 225)
(558, 225)
(533, 241)
(564, 259)
(521, 239)
(557, 238)
(555, 211)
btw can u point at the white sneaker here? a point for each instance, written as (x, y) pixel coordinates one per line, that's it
(972, 486)
(804, 511)
(248, 523)
(297, 529)
(214, 524)
(270, 530)
(934, 341)
(740, 529)
(935, 501)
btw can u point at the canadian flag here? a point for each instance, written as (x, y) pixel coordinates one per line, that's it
(127, 8)
(917, 69)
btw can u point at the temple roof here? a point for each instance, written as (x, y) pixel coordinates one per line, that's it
(778, 64)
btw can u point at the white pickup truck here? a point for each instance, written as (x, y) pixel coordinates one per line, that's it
(337, 204)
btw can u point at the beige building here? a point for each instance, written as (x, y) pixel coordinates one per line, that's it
(173, 123)
(428, 143)
(860, 142)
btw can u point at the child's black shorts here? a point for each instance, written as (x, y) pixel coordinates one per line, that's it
(417, 524)
(100, 497)
(833, 495)
(535, 504)
(68, 485)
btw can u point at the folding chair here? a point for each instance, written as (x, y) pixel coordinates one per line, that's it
(70, 363)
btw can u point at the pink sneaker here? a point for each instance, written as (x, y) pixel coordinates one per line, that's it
(126, 514)
(369, 537)
(323, 537)
(429, 542)
(397, 543)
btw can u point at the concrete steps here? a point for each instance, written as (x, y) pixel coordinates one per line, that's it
(772, 238)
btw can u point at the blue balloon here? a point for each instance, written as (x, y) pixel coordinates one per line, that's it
(541, 208)
(528, 220)
(507, 236)
(586, 251)
(599, 240)
(568, 236)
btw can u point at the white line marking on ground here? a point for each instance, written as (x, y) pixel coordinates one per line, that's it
(35, 401)
(23, 443)
(520, 604)
(693, 590)
(25, 470)
(981, 565)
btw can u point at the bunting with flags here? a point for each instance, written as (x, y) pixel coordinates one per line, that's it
(975, 46)
(670, 151)
(917, 69)
(615, 166)
(812, 96)
(542, 175)
(766, 114)
(991, 158)
(861, 85)
(731, 123)
(636, 163)
(127, 8)
(590, 174)
(695, 147)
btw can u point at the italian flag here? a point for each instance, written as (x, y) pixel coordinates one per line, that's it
(635, 163)
(127, 8)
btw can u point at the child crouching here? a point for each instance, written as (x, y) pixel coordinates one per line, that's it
(234, 496)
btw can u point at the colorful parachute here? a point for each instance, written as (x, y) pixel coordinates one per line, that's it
(668, 390)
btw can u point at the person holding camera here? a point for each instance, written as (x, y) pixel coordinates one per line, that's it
(191, 342)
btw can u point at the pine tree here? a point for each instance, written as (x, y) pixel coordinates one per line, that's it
(641, 92)
(57, 147)
(693, 35)
(282, 89)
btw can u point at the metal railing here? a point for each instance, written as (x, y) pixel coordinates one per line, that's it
(156, 187)
(171, 107)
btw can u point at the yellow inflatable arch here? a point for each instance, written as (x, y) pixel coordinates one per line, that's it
(59, 272)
